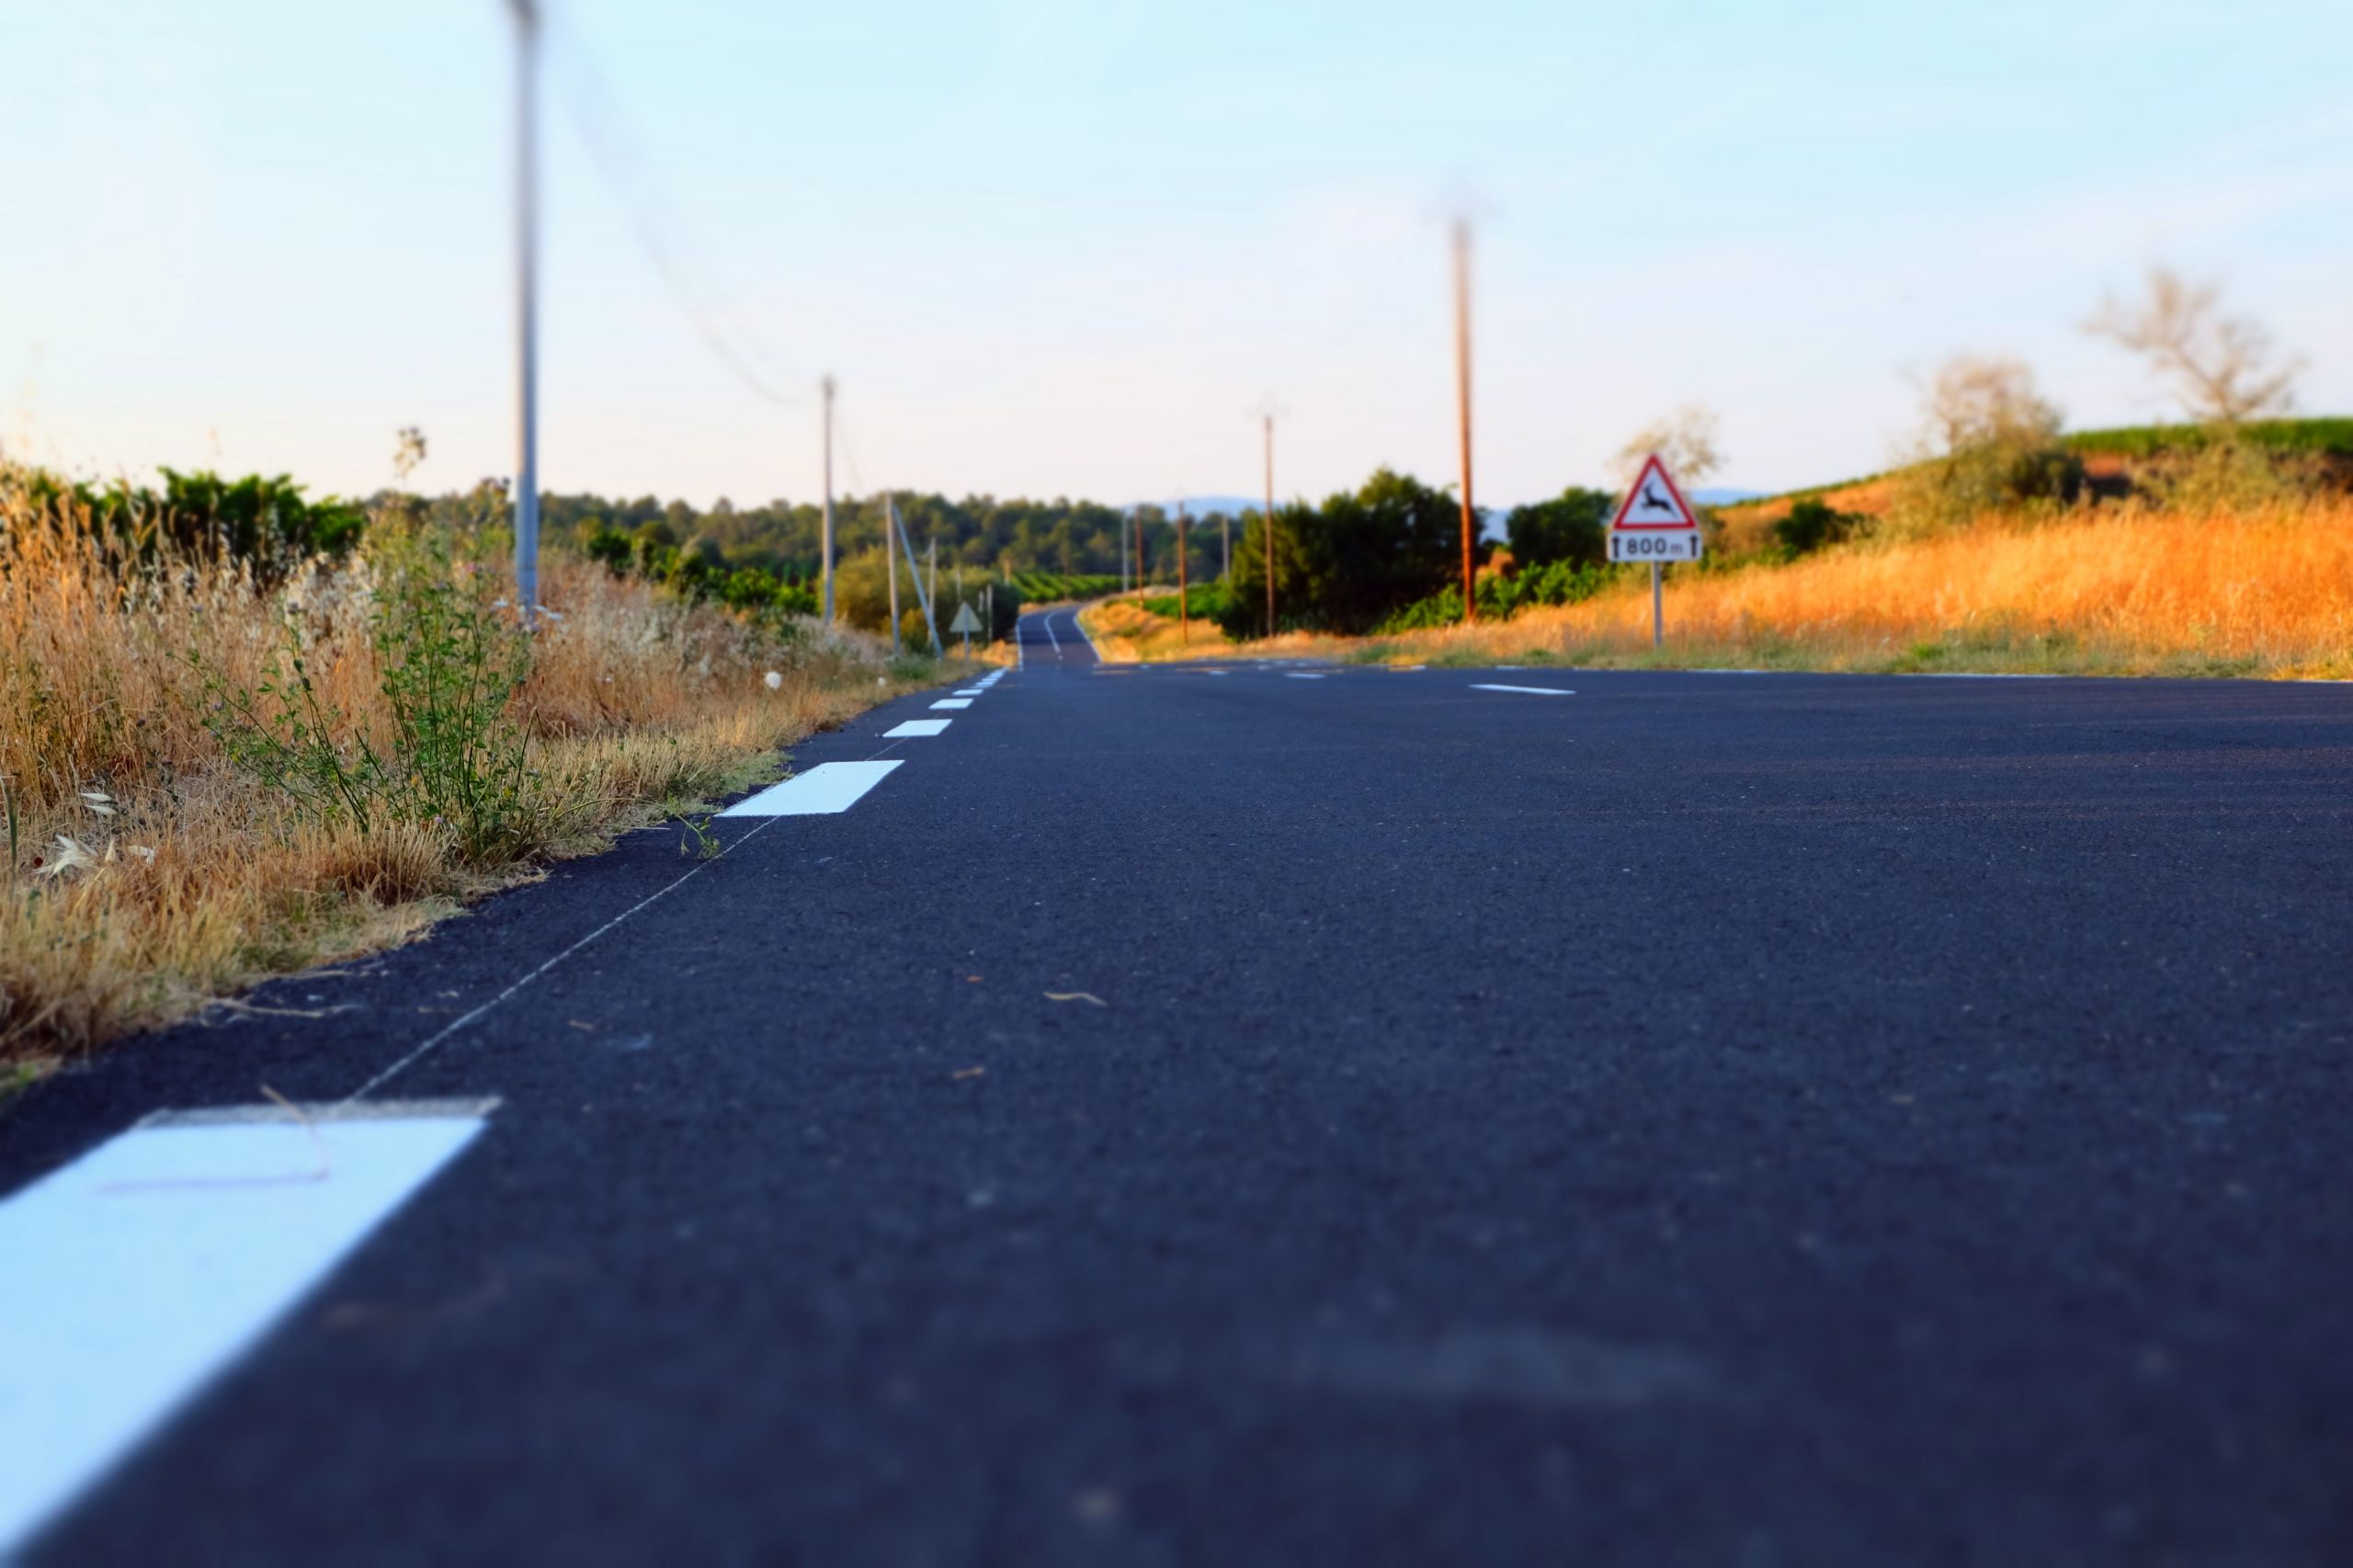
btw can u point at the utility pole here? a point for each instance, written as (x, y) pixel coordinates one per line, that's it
(527, 315)
(1225, 537)
(1138, 516)
(915, 576)
(1184, 625)
(1463, 406)
(933, 548)
(890, 565)
(1123, 555)
(1269, 528)
(825, 531)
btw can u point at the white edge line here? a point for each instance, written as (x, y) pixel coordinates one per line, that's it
(434, 1041)
(1080, 628)
(1525, 690)
(1048, 619)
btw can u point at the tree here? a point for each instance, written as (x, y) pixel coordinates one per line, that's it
(1685, 440)
(1982, 402)
(1989, 440)
(1245, 615)
(1572, 526)
(2221, 368)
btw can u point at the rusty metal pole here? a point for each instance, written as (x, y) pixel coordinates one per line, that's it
(1463, 406)
(1270, 525)
(1184, 625)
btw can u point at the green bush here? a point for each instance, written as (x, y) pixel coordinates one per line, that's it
(1573, 526)
(1813, 524)
(1206, 601)
(450, 665)
(1503, 595)
(262, 520)
(2331, 438)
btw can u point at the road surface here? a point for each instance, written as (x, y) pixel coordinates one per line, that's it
(1299, 1114)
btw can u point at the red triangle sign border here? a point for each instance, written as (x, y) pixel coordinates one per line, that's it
(1687, 521)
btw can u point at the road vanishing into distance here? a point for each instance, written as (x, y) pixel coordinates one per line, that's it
(1238, 1114)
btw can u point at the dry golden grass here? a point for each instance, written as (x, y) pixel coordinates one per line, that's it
(146, 873)
(1125, 632)
(2117, 590)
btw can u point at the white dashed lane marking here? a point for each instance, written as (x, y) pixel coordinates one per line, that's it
(1529, 690)
(953, 702)
(825, 789)
(151, 1262)
(914, 727)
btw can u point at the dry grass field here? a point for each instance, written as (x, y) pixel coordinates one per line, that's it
(2115, 590)
(148, 868)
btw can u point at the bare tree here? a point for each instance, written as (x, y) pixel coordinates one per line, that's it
(408, 450)
(2221, 368)
(1685, 440)
(1988, 442)
(1981, 401)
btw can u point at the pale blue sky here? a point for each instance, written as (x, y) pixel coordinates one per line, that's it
(1061, 247)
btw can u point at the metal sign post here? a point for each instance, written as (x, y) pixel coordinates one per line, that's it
(1657, 525)
(965, 622)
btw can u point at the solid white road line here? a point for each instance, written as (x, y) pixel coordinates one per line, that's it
(916, 727)
(1080, 626)
(825, 789)
(953, 702)
(433, 1041)
(1295, 674)
(972, 690)
(1050, 635)
(141, 1270)
(1531, 690)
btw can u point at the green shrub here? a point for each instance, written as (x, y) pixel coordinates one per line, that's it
(1813, 524)
(1503, 595)
(449, 664)
(262, 520)
(1573, 526)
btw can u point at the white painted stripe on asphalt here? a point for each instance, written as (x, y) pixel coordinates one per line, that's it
(825, 789)
(972, 690)
(953, 702)
(1977, 675)
(1297, 675)
(1050, 635)
(1080, 626)
(139, 1272)
(1531, 690)
(916, 727)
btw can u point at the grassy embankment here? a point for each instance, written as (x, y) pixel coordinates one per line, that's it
(2110, 590)
(174, 831)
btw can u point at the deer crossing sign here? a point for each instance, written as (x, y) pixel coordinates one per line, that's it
(1655, 523)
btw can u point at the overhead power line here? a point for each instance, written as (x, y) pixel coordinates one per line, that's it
(595, 115)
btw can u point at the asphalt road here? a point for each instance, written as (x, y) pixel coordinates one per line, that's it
(1184, 1117)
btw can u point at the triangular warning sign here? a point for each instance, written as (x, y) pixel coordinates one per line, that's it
(1653, 502)
(965, 619)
